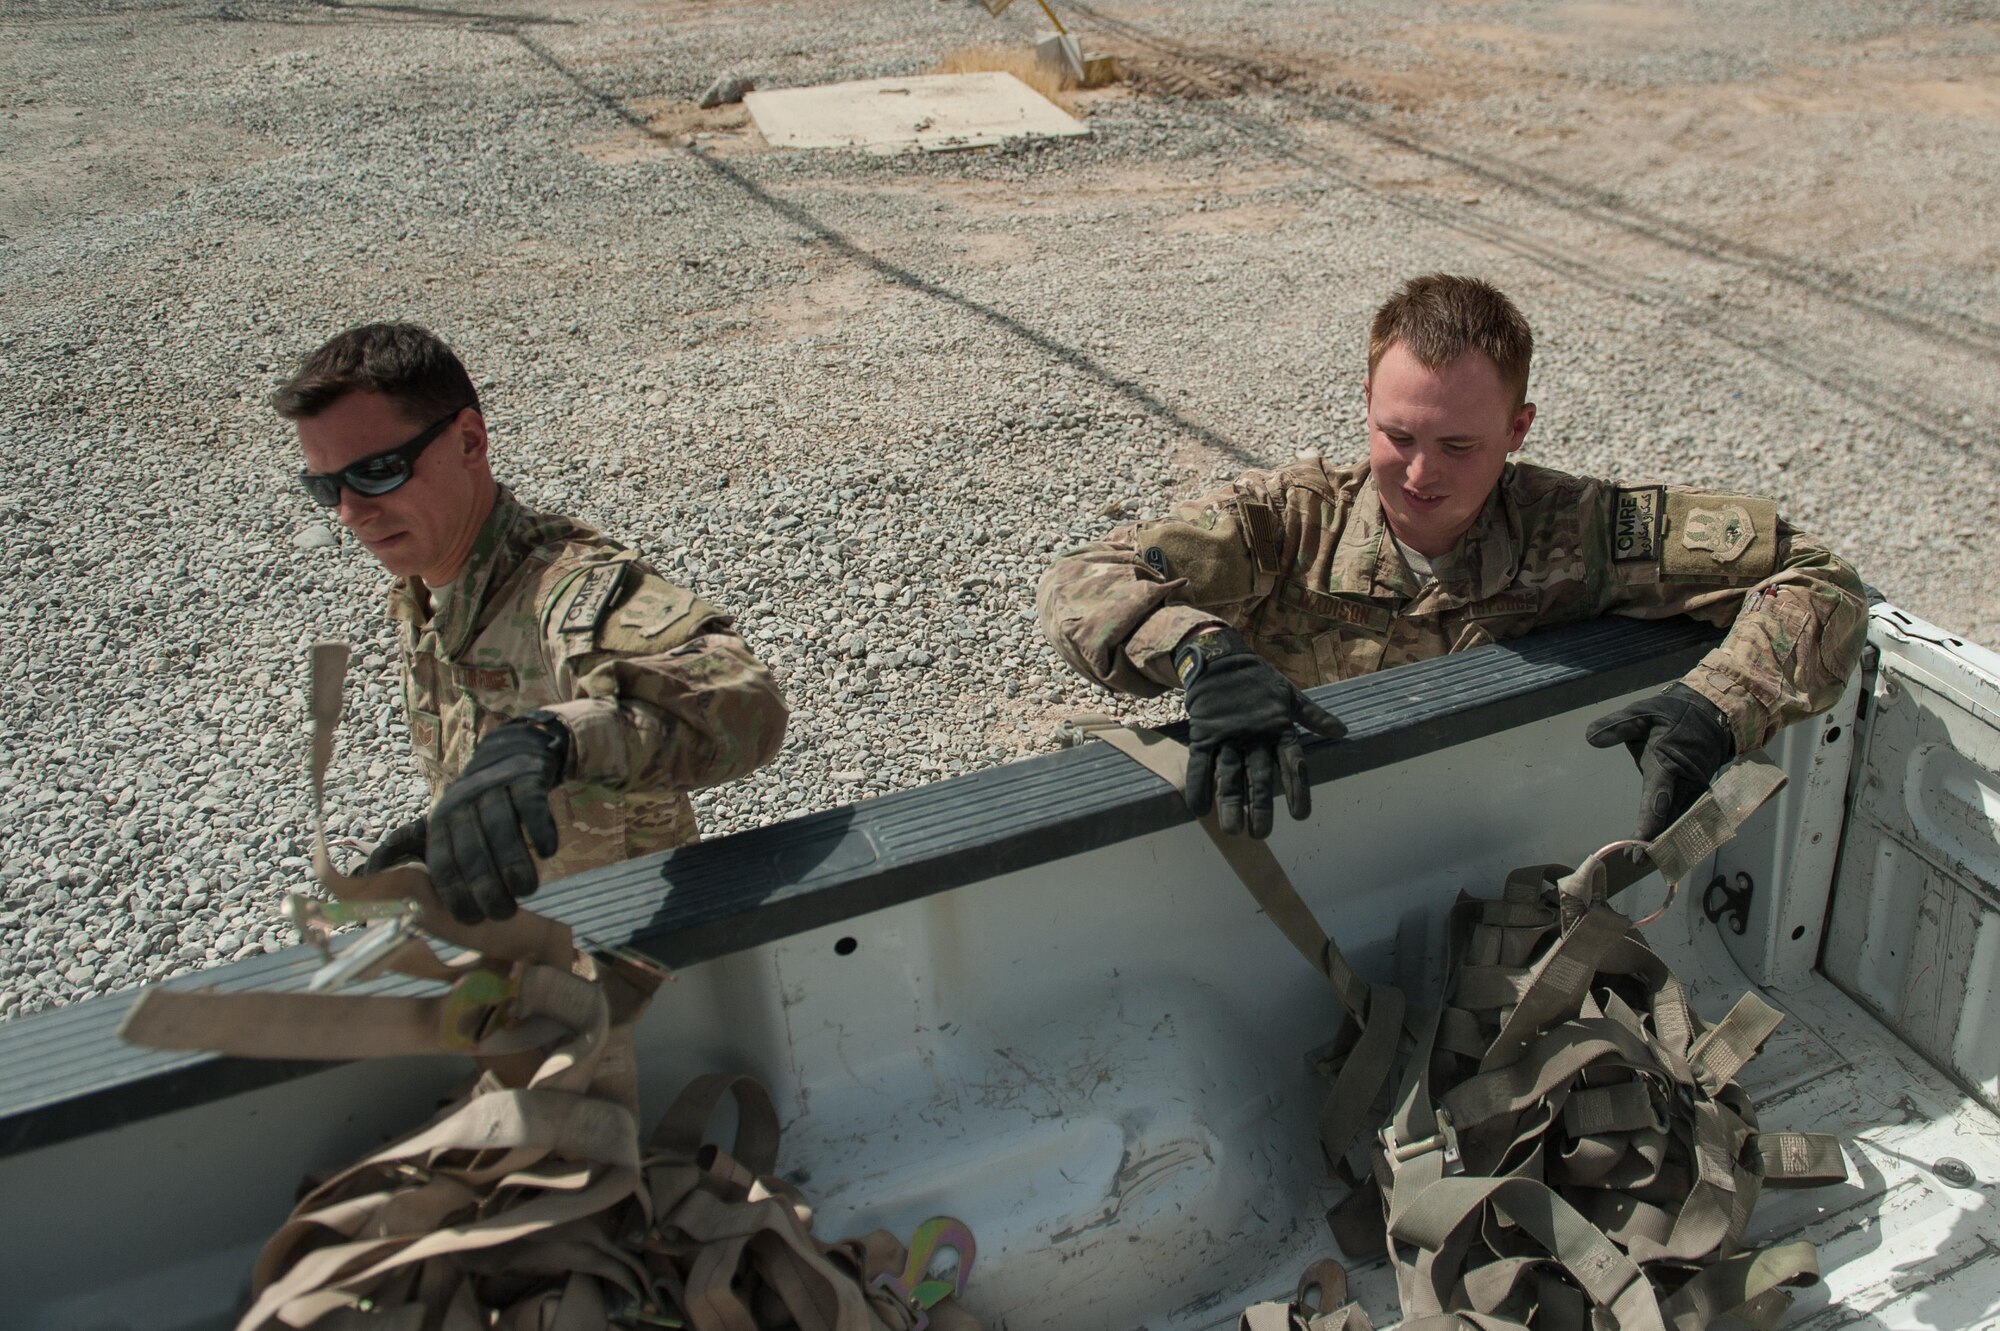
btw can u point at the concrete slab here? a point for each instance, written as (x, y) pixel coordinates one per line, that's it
(930, 112)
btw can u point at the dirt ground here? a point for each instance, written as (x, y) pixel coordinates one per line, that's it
(1813, 193)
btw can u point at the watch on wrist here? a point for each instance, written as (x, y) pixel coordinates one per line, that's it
(1191, 658)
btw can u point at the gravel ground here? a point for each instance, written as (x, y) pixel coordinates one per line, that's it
(862, 401)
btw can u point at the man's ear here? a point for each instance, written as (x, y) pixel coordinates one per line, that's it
(472, 436)
(1524, 416)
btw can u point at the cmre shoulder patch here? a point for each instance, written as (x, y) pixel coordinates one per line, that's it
(1637, 518)
(592, 597)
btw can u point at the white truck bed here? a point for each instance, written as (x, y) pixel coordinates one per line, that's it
(1035, 998)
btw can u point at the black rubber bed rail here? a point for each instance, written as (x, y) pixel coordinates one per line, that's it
(66, 1074)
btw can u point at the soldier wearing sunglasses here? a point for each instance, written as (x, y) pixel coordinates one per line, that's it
(563, 698)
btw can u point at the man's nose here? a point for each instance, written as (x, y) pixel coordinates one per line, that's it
(1417, 472)
(354, 508)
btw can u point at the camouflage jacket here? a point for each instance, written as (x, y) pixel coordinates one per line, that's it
(660, 695)
(1300, 562)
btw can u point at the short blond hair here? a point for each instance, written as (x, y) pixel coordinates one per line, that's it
(1440, 317)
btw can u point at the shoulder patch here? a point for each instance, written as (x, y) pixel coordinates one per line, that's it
(1719, 535)
(659, 606)
(1208, 553)
(1724, 532)
(594, 588)
(1638, 519)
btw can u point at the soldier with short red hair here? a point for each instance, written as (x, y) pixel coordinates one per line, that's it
(1436, 542)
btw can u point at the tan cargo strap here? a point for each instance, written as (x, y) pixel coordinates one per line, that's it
(1377, 1011)
(1575, 1132)
(1739, 791)
(1799, 1159)
(484, 1013)
(525, 936)
(529, 1203)
(1251, 859)
(1320, 1304)
(533, 996)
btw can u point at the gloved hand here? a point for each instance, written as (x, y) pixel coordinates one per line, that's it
(1679, 739)
(477, 859)
(402, 845)
(1241, 740)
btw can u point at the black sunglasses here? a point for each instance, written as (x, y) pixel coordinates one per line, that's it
(378, 473)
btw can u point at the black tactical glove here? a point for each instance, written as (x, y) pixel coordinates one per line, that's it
(477, 858)
(402, 845)
(1679, 739)
(1241, 741)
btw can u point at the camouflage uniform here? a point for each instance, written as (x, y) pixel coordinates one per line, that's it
(660, 695)
(1300, 562)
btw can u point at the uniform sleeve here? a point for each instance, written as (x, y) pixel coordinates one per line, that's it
(663, 694)
(1116, 609)
(1796, 612)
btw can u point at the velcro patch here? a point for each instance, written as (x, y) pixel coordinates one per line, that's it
(1719, 535)
(1638, 517)
(1210, 560)
(1156, 560)
(594, 590)
(659, 606)
(1265, 532)
(1724, 532)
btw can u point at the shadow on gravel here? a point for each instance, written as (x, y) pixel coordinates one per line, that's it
(1131, 390)
(1815, 362)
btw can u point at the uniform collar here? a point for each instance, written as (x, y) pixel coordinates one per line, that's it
(1483, 563)
(495, 555)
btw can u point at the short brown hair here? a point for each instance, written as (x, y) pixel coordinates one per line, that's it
(405, 362)
(1440, 317)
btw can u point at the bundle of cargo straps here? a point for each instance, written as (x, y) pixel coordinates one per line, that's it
(1566, 1145)
(531, 1203)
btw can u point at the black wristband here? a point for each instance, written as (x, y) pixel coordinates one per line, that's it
(1192, 657)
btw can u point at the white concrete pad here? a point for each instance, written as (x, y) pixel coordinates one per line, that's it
(931, 112)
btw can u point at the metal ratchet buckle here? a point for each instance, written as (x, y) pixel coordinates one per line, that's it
(630, 956)
(389, 924)
(1445, 1139)
(917, 1289)
(477, 1004)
